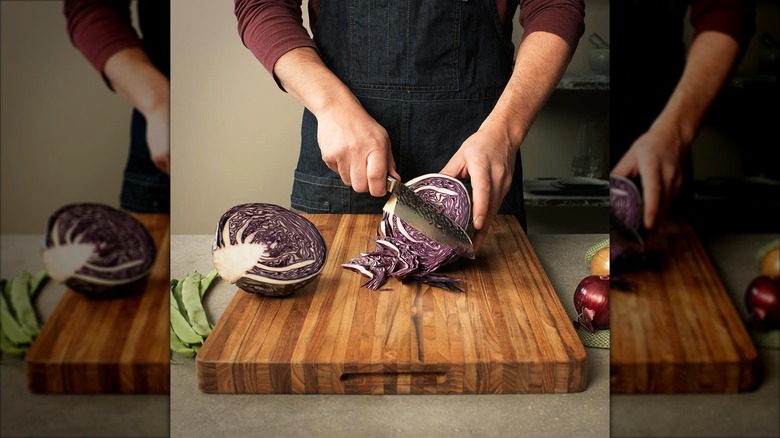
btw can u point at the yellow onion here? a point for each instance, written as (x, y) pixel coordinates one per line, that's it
(599, 264)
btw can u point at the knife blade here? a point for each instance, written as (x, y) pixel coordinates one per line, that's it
(425, 218)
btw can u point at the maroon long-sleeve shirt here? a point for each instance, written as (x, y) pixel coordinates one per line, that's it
(101, 28)
(271, 28)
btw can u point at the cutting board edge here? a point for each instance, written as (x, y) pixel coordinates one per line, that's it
(621, 382)
(206, 370)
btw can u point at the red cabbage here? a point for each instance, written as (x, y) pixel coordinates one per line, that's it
(267, 249)
(94, 248)
(627, 231)
(405, 253)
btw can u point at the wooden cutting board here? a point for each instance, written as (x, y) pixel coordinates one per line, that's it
(507, 333)
(678, 331)
(116, 345)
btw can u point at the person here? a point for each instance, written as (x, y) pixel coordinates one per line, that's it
(137, 68)
(417, 88)
(661, 95)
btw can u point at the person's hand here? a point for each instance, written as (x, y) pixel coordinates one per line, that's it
(489, 161)
(158, 139)
(657, 158)
(356, 147)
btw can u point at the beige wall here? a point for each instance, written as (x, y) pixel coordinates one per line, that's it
(64, 135)
(235, 135)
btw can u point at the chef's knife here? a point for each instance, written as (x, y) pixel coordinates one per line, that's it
(426, 219)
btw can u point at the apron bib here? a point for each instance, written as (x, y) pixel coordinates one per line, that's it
(428, 71)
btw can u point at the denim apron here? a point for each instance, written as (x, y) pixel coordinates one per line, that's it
(145, 188)
(428, 71)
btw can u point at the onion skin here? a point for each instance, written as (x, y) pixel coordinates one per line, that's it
(599, 264)
(762, 299)
(591, 300)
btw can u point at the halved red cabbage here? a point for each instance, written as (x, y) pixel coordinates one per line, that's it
(627, 231)
(405, 253)
(94, 248)
(267, 249)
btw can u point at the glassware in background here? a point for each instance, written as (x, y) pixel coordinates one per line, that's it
(586, 152)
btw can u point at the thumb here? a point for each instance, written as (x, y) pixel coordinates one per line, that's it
(624, 167)
(455, 168)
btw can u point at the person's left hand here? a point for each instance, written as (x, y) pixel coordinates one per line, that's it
(158, 138)
(656, 157)
(488, 159)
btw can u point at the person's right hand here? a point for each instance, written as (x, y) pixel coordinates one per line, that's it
(356, 147)
(657, 158)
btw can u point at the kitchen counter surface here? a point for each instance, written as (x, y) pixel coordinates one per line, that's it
(27, 414)
(584, 414)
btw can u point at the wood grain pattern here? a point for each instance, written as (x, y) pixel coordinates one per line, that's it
(508, 333)
(102, 345)
(677, 331)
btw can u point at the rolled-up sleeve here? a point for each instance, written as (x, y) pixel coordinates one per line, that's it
(100, 28)
(271, 28)
(736, 18)
(565, 18)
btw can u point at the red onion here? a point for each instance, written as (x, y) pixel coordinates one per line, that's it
(762, 299)
(591, 300)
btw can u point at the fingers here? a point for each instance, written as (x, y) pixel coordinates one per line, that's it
(481, 187)
(652, 194)
(376, 173)
(163, 165)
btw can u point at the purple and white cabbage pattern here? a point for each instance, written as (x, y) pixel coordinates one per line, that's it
(627, 231)
(267, 249)
(93, 248)
(405, 253)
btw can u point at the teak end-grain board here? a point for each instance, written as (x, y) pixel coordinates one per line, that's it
(109, 345)
(507, 333)
(677, 330)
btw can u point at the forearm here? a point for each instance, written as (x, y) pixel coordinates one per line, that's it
(305, 77)
(136, 79)
(710, 63)
(541, 61)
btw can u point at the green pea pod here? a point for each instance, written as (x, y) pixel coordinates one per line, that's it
(182, 327)
(37, 281)
(22, 305)
(10, 348)
(176, 290)
(6, 290)
(10, 325)
(195, 312)
(205, 282)
(178, 347)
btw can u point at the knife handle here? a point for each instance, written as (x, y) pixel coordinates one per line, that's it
(391, 184)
